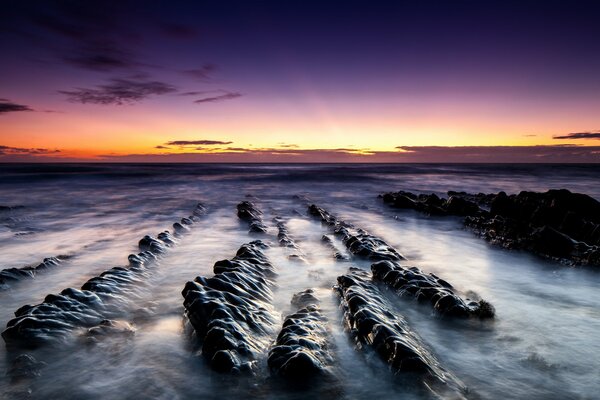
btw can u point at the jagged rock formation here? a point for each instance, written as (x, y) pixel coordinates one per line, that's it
(231, 312)
(372, 323)
(408, 281)
(285, 240)
(358, 241)
(428, 288)
(556, 224)
(100, 298)
(337, 254)
(301, 350)
(248, 212)
(11, 275)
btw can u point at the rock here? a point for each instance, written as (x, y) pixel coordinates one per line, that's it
(101, 298)
(374, 325)
(248, 212)
(428, 288)
(358, 241)
(231, 312)
(301, 351)
(555, 224)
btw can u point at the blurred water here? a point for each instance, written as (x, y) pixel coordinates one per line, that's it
(543, 343)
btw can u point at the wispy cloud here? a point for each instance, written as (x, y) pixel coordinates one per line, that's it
(8, 150)
(204, 73)
(7, 106)
(579, 135)
(222, 97)
(402, 154)
(119, 92)
(202, 142)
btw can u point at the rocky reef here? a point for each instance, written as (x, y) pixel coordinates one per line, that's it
(358, 241)
(301, 351)
(101, 298)
(406, 281)
(11, 275)
(286, 241)
(337, 254)
(231, 313)
(374, 326)
(556, 224)
(247, 211)
(428, 288)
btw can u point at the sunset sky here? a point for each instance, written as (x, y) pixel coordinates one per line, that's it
(300, 81)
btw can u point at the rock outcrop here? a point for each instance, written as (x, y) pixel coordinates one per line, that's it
(374, 326)
(248, 212)
(555, 224)
(301, 351)
(101, 298)
(231, 313)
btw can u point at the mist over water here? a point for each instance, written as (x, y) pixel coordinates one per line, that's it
(543, 343)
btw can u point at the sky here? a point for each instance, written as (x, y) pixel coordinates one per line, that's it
(300, 81)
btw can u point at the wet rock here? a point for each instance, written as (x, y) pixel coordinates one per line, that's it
(101, 298)
(304, 298)
(23, 367)
(406, 281)
(285, 240)
(556, 224)
(358, 241)
(456, 204)
(428, 288)
(337, 254)
(301, 351)
(231, 312)
(111, 327)
(248, 212)
(9, 275)
(372, 323)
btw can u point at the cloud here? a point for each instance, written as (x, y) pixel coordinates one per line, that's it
(7, 106)
(579, 135)
(203, 73)
(202, 142)
(402, 154)
(212, 99)
(161, 147)
(8, 150)
(119, 92)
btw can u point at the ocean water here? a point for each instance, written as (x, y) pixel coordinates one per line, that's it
(542, 345)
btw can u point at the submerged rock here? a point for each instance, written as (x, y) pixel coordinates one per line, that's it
(9, 275)
(285, 240)
(100, 298)
(231, 312)
(406, 280)
(248, 212)
(428, 288)
(358, 241)
(556, 224)
(301, 351)
(24, 367)
(374, 326)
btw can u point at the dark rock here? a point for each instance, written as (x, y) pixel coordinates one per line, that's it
(231, 312)
(556, 224)
(16, 274)
(101, 298)
(301, 351)
(358, 241)
(373, 325)
(428, 288)
(248, 212)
